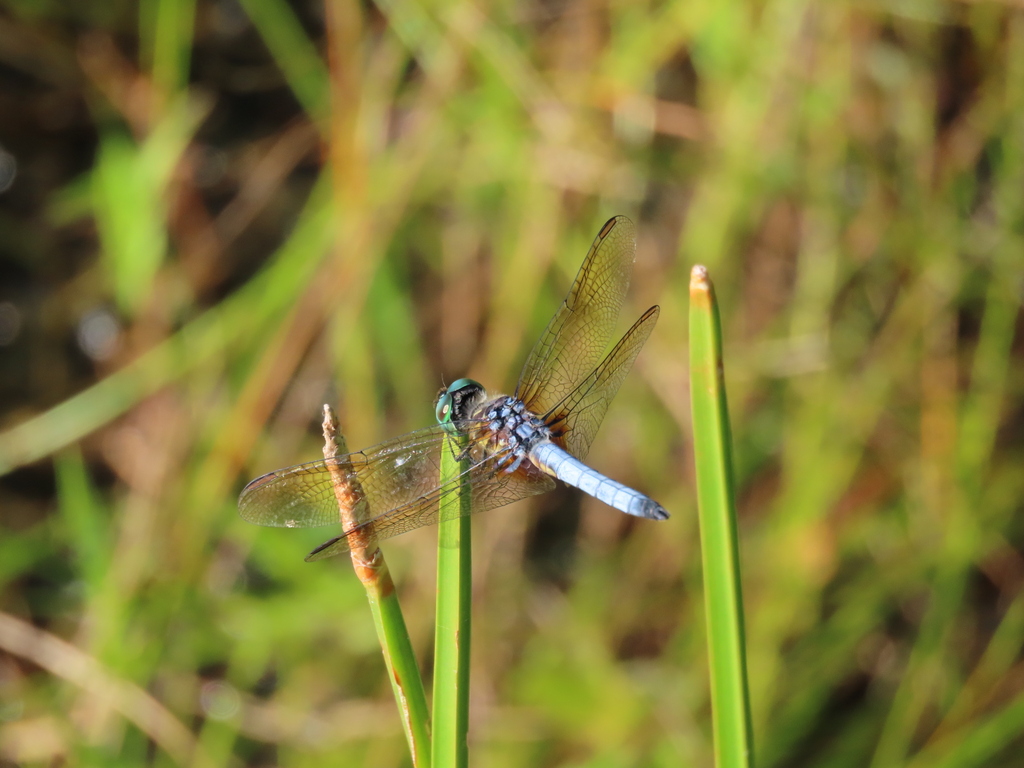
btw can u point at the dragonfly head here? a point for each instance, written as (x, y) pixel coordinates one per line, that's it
(457, 403)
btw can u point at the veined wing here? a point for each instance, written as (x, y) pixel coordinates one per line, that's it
(578, 334)
(490, 487)
(391, 475)
(576, 419)
(399, 489)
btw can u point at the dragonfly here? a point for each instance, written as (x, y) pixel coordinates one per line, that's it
(514, 446)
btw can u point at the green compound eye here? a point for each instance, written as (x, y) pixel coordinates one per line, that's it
(453, 397)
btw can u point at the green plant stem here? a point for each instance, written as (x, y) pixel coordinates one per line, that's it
(303, 69)
(171, 42)
(372, 570)
(406, 682)
(712, 446)
(452, 630)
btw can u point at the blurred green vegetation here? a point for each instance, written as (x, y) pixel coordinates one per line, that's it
(225, 214)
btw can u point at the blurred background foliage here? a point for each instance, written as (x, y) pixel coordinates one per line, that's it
(217, 215)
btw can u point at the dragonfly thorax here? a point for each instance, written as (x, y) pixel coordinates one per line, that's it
(500, 428)
(510, 429)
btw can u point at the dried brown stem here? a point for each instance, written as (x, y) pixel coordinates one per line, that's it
(366, 555)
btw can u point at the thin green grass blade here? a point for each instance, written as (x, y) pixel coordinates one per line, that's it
(170, 41)
(452, 629)
(129, 187)
(406, 682)
(712, 443)
(293, 52)
(83, 516)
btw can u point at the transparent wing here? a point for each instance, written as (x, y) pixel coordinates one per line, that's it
(576, 419)
(578, 334)
(490, 487)
(391, 475)
(398, 486)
